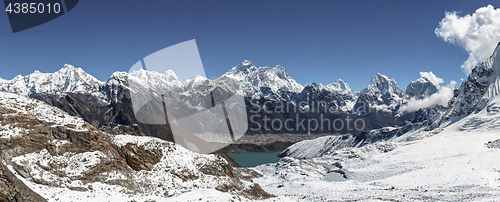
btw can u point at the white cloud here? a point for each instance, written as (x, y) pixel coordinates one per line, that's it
(478, 34)
(432, 77)
(444, 94)
(451, 85)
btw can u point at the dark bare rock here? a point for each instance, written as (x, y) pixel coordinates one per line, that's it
(13, 189)
(493, 144)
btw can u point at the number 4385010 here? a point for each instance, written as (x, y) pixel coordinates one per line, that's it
(33, 8)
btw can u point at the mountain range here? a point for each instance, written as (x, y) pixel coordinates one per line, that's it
(107, 104)
(272, 83)
(441, 153)
(479, 93)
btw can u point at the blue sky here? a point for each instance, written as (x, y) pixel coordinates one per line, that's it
(316, 41)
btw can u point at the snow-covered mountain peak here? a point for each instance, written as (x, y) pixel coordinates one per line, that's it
(246, 63)
(382, 79)
(72, 73)
(67, 79)
(118, 75)
(196, 77)
(487, 74)
(276, 70)
(148, 75)
(195, 81)
(68, 66)
(383, 84)
(421, 88)
(117, 80)
(335, 87)
(423, 80)
(242, 70)
(18, 77)
(340, 86)
(314, 85)
(142, 73)
(171, 74)
(272, 82)
(154, 79)
(383, 94)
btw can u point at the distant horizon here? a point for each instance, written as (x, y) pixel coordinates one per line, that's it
(317, 41)
(211, 78)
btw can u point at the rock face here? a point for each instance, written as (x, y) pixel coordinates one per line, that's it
(13, 189)
(61, 156)
(473, 95)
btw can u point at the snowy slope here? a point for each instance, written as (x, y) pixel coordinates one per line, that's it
(63, 158)
(330, 144)
(453, 164)
(22, 106)
(169, 177)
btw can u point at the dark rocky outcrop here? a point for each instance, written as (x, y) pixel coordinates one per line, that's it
(493, 144)
(13, 189)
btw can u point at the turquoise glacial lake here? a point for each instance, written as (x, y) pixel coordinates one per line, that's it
(252, 159)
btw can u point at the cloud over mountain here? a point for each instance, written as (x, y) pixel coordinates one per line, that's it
(432, 77)
(441, 97)
(476, 33)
